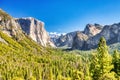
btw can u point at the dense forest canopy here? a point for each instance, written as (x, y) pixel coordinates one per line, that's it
(26, 60)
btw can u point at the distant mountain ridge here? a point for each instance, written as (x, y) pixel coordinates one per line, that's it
(88, 39)
(110, 32)
(71, 39)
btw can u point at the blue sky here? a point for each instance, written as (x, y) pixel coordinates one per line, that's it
(65, 15)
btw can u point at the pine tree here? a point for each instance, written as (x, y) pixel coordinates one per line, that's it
(116, 62)
(103, 60)
(59, 77)
(87, 73)
(50, 74)
(78, 75)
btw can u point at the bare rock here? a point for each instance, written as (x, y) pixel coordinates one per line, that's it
(79, 40)
(35, 29)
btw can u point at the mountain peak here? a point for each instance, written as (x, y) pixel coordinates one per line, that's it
(92, 29)
(89, 25)
(30, 18)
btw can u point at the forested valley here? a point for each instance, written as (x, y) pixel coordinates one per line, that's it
(26, 60)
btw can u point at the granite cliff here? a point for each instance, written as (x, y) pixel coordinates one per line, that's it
(20, 27)
(35, 29)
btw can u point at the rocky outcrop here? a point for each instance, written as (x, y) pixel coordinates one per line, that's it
(79, 40)
(35, 29)
(9, 26)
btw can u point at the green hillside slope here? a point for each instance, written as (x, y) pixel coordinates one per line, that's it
(27, 60)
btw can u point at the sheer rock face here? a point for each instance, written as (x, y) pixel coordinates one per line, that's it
(35, 29)
(79, 40)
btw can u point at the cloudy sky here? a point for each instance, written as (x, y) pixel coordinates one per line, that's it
(64, 16)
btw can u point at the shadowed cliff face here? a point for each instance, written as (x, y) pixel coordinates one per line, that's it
(35, 29)
(79, 40)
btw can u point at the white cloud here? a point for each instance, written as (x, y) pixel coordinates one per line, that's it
(53, 34)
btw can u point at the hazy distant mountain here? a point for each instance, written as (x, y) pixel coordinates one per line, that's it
(64, 40)
(54, 36)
